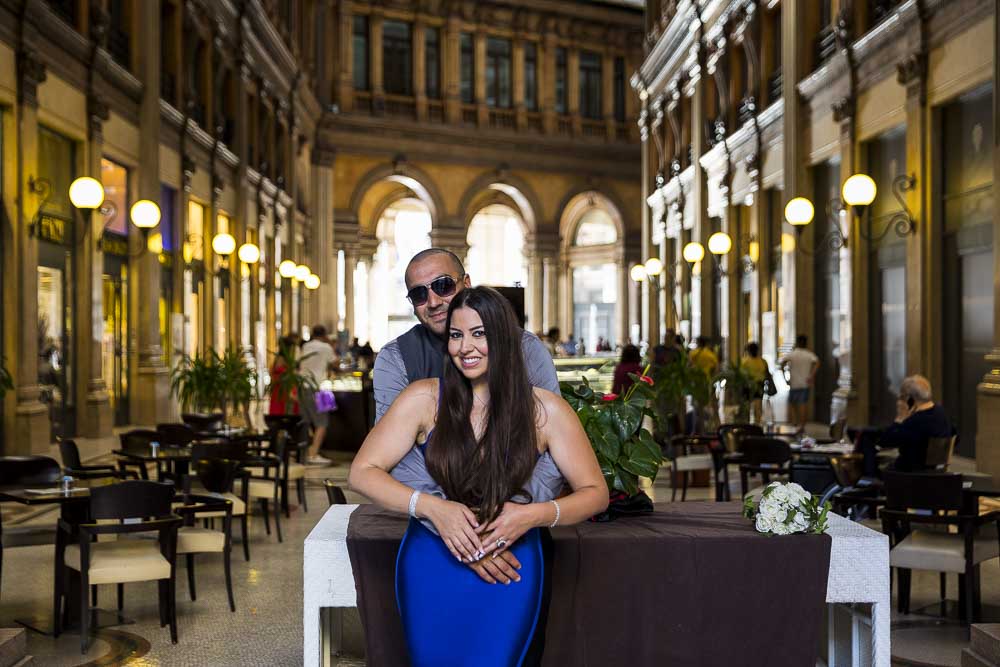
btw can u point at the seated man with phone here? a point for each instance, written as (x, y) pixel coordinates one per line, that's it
(918, 419)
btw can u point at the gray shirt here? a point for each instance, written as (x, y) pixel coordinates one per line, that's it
(390, 372)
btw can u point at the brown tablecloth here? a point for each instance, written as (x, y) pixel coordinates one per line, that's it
(690, 585)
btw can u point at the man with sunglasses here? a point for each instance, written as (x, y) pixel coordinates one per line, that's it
(433, 277)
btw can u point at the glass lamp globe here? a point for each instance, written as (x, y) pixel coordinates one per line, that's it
(223, 244)
(145, 214)
(302, 272)
(719, 243)
(799, 211)
(248, 253)
(286, 269)
(859, 190)
(638, 273)
(754, 251)
(654, 266)
(694, 252)
(86, 193)
(312, 281)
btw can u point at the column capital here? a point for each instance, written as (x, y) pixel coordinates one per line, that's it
(31, 72)
(911, 73)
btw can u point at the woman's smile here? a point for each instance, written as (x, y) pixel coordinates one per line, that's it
(470, 361)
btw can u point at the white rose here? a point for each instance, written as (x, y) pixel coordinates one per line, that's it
(764, 524)
(771, 509)
(797, 494)
(800, 523)
(780, 528)
(779, 494)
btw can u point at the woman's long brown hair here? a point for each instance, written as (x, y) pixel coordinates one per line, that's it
(487, 473)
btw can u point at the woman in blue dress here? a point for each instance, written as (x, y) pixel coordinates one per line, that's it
(478, 460)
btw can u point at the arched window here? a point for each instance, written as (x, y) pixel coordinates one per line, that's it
(496, 247)
(596, 228)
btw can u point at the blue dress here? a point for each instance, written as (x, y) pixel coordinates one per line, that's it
(451, 617)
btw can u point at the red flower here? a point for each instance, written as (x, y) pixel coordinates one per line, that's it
(609, 397)
(645, 378)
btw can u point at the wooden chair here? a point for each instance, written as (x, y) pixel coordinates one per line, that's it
(177, 435)
(204, 424)
(291, 455)
(73, 467)
(730, 437)
(764, 457)
(920, 509)
(26, 472)
(688, 453)
(192, 539)
(939, 451)
(815, 477)
(120, 561)
(138, 439)
(223, 486)
(334, 493)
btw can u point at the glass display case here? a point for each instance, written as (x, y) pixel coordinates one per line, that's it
(598, 369)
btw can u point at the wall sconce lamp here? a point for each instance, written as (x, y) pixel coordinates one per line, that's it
(857, 194)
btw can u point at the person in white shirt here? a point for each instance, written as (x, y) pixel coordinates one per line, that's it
(800, 366)
(318, 357)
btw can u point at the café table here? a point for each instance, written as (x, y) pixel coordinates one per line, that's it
(176, 459)
(858, 573)
(73, 508)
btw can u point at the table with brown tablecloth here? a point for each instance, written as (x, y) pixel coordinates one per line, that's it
(691, 584)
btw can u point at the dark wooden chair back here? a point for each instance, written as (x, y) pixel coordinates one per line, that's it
(683, 445)
(233, 451)
(282, 422)
(29, 471)
(138, 438)
(939, 451)
(131, 500)
(70, 454)
(178, 435)
(731, 434)
(765, 451)
(204, 423)
(216, 475)
(932, 491)
(334, 493)
(816, 478)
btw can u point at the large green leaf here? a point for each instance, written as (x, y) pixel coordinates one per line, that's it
(607, 447)
(637, 460)
(627, 419)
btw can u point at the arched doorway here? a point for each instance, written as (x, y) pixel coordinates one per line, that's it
(595, 277)
(403, 230)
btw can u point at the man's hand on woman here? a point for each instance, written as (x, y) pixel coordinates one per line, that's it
(456, 524)
(499, 568)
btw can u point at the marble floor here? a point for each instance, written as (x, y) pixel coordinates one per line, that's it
(266, 628)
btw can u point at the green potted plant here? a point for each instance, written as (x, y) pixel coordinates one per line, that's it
(288, 382)
(196, 383)
(237, 379)
(625, 450)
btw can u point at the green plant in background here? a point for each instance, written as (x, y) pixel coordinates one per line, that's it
(237, 379)
(290, 382)
(6, 381)
(613, 423)
(674, 382)
(197, 383)
(739, 386)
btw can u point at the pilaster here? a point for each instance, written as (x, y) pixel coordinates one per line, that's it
(375, 69)
(345, 45)
(420, 69)
(573, 90)
(452, 70)
(547, 80)
(479, 45)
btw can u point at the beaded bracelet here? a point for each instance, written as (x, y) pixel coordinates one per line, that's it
(413, 504)
(556, 520)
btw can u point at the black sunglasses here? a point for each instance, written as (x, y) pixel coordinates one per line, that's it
(442, 286)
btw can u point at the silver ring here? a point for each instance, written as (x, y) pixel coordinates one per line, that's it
(501, 543)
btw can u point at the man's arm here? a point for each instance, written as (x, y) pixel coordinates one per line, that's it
(538, 362)
(389, 377)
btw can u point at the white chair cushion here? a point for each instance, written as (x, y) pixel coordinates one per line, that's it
(121, 562)
(194, 540)
(296, 471)
(239, 509)
(260, 488)
(695, 462)
(941, 552)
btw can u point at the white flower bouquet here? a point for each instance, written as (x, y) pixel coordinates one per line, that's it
(786, 508)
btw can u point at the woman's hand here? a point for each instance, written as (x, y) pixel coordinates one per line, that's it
(501, 567)
(456, 524)
(514, 521)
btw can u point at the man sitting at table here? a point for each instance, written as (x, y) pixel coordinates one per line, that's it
(918, 419)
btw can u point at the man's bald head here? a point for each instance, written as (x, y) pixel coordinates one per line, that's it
(423, 255)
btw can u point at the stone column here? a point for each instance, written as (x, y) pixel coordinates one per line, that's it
(573, 90)
(325, 298)
(988, 408)
(608, 93)
(547, 78)
(150, 399)
(94, 418)
(350, 263)
(345, 46)
(420, 69)
(550, 265)
(517, 84)
(482, 112)
(702, 225)
(565, 277)
(623, 313)
(534, 292)
(28, 432)
(452, 70)
(733, 323)
(375, 61)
